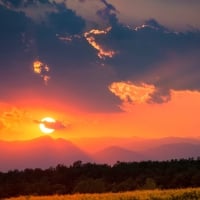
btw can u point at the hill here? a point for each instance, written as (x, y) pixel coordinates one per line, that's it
(173, 151)
(42, 152)
(113, 154)
(45, 152)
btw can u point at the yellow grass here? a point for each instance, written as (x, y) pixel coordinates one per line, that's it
(182, 194)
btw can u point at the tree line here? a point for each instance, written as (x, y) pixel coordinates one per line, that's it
(98, 178)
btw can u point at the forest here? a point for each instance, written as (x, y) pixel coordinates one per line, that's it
(100, 178)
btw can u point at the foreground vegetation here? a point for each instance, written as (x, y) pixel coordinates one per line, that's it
(179, 194)
(101, 178)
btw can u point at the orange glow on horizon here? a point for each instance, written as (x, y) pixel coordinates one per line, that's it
(178, 117)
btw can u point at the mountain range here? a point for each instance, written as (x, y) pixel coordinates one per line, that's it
(45, 152)
(42, 152)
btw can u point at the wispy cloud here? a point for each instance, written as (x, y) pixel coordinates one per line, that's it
(11, 116)
(42, 70)
(57, 125)
(103, 52)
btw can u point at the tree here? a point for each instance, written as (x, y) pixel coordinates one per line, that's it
(149, 184)
(90, 186)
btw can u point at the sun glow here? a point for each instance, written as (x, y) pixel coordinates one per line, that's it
(44, 125)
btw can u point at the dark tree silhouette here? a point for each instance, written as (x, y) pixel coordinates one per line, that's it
(97, 178)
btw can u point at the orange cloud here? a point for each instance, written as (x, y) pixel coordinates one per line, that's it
(3, 124)
(12, 117)
(131, 93)
(42, 69)
(102, 51)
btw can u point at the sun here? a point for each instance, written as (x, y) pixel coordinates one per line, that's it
(43, 126)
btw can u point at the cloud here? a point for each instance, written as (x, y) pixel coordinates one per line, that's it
(36, 10)
(52, 14)
(102, 51)
(11, 117)
(131, 93)
(96, 13)
(182, 13)
(88, 63)
(154, 55)
(57, 125)
(109, 6)
(82, 1)
(65, 21)
(42, 70)
(108, 13)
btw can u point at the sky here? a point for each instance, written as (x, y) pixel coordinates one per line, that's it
(100, 68)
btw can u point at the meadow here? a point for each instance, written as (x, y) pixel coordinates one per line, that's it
(176, 194)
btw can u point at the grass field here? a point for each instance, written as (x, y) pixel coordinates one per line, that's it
(179, 194)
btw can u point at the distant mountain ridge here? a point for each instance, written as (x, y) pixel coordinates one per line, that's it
(174, 151)
(42, 152)
(113, 154)
(160, 153)
(131, 143)
(45, 152)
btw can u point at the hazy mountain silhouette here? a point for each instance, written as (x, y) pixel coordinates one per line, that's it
(45, 152)
(163, 152)
(42, 152)
(173, 151)
(132, 143)
(146, 144)
(138, 149)
(113, 154)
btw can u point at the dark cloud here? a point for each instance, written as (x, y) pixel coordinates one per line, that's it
(14, 3)
(22, 3)
(76, 73)
(66, 21)
(13, 25)
(108, 13)
(109, 7)
(146, 52)
(150, 54)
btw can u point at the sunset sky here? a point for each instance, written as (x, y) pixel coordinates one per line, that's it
(100, 68)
